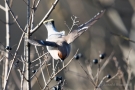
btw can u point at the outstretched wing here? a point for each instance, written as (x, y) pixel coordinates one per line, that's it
(42, 43)
(82, 28)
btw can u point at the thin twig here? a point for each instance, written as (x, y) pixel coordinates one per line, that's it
(90, 72)
(56, 65)
(87, 75)
(38, 69)
(128, 71)
(11, 3)
(36, 6)
(38, 83)
(40, 66)
(101, 82)
(22, 75)
(14, 17)
(67, 25)
(45, 17)
(53, 68)
(40, 57)
(2, 58)
(113, 76)
(123, 37)
(27, 3)
(75, 22)
(98, 70)
(3, 8)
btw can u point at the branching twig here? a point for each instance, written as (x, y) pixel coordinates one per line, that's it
(59, 71)
(106, 62)
(75, 22)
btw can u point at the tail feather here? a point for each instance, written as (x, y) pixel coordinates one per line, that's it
(82, 28)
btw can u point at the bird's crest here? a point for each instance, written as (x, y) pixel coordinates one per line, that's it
(50, 20)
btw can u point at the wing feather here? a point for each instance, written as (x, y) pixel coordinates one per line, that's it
(42, 43)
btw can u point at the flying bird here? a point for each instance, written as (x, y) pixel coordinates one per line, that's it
(57, 43)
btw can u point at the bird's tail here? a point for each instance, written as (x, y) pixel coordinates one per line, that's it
(82, 28)
(91, 21)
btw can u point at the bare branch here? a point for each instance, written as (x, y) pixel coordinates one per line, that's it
(3, 8)
(6, 62)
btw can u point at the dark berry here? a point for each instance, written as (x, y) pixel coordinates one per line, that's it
(15, 64)
(33, 71)
(108, 76)
(58, 78)
(76, 57)
(102, 56)
(95, 61)
(8, 48)
(17, 61)
(80, 55)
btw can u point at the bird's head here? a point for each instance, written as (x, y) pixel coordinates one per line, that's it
(49, 22)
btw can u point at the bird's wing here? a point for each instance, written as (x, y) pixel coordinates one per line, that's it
(82, 28)
(42, 43)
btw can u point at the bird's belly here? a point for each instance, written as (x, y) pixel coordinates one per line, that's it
(60, 52)
(54, 54)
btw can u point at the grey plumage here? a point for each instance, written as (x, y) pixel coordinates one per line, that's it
(58, 44)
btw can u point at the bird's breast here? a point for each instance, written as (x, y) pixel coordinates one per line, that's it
(60, 52)
(64, 51)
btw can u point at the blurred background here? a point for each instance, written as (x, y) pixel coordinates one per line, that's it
(118, 18)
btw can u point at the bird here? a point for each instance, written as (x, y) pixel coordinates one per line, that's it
(58, 43)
